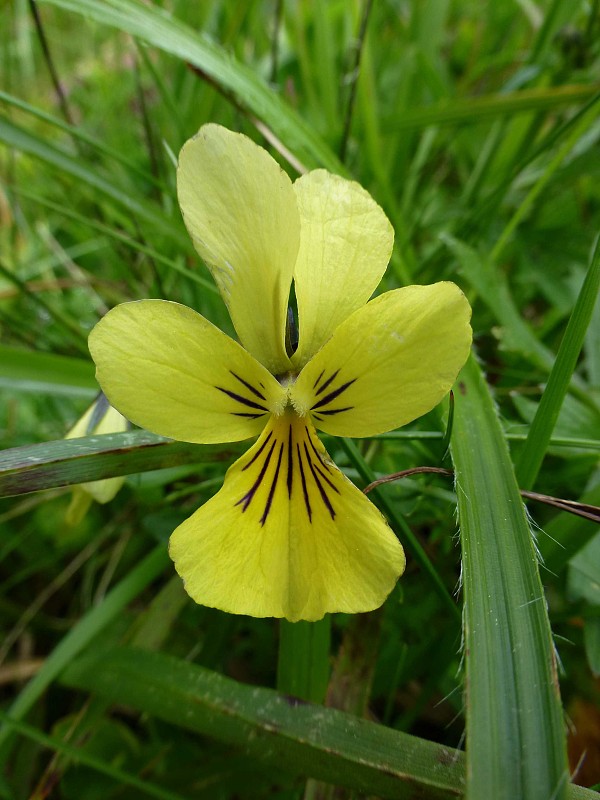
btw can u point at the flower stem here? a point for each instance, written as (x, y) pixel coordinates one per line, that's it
(303, 664)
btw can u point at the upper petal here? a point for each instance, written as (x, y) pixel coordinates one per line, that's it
(345, 245)
(288, 535)
(240, 210)
(168, 369)
(390, 362)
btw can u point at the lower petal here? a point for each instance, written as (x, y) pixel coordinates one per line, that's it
(288, 535)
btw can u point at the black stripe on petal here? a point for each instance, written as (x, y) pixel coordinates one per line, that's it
(304, 486)
(290, 468)
(247, 498)
(318, 379)
(249, 386)
(240, 399)
(331, 378)
(263, 519)
(258, 452)
(332, 395)
(325, 478)
(319, 485)
(332, 411)
(314, 449)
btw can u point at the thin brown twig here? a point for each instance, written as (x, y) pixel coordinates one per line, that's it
(18, 671)
(584, 510)
(406, 473)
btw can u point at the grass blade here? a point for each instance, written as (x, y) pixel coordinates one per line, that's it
(25, 142)
(474, 110)
(492, 286)
(66, 462)
(79, 135)
(549, 407)
(46, 373)
(515, 729)
(88, 627)
(154, 26)
(112, 233)
(80, 756)
(300, 737)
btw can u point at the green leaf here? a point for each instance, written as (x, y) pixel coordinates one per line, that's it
(566, 534)
(113, 233)
(79, 134)
(584, 573)
(491, 285)
(515, 729)
(67, 462)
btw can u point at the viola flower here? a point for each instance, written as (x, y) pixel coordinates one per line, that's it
(99, 418)
(288, 535)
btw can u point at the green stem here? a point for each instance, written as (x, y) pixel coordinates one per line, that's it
(303, 665)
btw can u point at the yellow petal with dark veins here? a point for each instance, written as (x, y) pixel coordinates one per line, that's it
(288, 535)
(390, 362)
(168, 369)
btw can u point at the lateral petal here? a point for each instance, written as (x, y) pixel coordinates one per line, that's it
(170, 370)
(390, 362)
(240, 210)
(288, 535)
(345, 245)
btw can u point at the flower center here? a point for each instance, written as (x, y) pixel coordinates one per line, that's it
(288, 464)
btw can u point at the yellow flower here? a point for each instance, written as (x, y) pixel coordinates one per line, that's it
(99, 418)
(288, 535)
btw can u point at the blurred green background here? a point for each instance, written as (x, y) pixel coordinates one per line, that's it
(476, 127)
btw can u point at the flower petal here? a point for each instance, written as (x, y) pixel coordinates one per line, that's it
(345, 245)
(169, 370)
(390, 362)
(240, 210)
(288, 535)
(100, 418)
